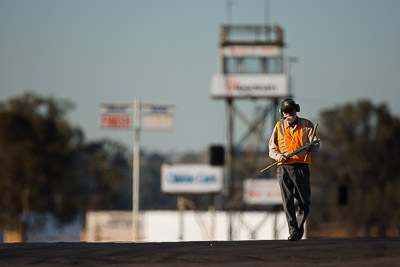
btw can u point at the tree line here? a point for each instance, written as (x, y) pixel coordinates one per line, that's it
(47, 165)
(356, 170)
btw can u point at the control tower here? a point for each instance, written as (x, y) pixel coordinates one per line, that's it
(252, 63)
(252, 66)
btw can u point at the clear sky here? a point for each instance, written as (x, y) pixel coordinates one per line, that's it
(165, 51)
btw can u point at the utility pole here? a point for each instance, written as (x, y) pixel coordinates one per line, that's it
(135, 173)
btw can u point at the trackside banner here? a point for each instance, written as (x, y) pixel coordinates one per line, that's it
(191, 178)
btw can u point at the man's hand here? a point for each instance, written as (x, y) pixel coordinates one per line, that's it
(282, 158)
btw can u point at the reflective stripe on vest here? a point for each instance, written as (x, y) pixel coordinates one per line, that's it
(289, 142)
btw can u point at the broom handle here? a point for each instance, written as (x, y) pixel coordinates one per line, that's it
(266, 168)
(312, 137)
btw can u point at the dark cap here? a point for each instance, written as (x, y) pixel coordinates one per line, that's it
(289, 103)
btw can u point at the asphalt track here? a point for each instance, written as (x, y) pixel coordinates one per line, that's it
(309, 252)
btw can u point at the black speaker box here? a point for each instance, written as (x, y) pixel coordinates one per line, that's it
(217, 155)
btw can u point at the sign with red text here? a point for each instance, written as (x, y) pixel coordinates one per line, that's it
(115, 116)
(262, 192)
(241, 51)
(250, 86)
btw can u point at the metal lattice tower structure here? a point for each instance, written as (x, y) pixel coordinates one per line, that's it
(253, 67)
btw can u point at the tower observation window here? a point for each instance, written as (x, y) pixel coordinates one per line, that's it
(253, 65)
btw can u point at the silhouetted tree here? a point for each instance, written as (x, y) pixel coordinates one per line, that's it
(38, 150)
(360, 153)
(106, 171)
(151, 197)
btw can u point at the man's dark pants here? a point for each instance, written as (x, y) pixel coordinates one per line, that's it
(294, 180)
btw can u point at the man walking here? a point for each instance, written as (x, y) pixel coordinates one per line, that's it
(289, 134)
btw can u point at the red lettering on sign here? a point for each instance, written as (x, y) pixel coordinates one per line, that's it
(115, 121)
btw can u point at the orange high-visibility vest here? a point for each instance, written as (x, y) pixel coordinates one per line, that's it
(288, 142)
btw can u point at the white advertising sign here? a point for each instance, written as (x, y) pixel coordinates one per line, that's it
(157, 117)
(249, 86)
(115, 116)
(191, 178)
(262, 192)
(240, 51)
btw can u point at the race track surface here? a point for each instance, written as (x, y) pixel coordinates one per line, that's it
(309, 252)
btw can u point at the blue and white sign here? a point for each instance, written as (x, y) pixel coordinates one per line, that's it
(191, 178)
